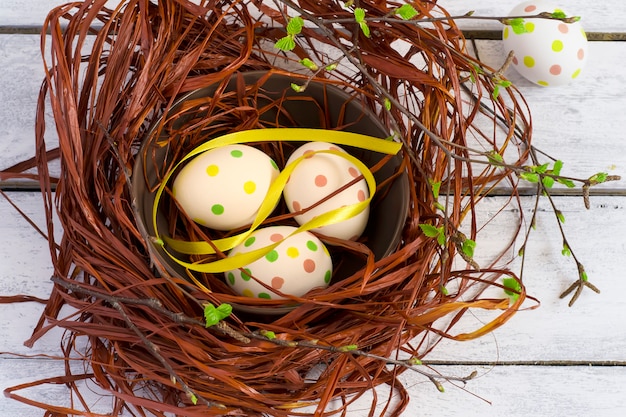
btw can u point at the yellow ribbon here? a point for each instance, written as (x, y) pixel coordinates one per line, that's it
(274, 192)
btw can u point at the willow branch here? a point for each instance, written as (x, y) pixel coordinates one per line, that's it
(118, 304)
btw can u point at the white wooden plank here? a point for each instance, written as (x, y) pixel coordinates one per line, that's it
(25, 258)
(29, 12)
(14, 372)
(25, 12)
(522, 391)
(25, 269)
(591, 330)
(606, 16)
(580, 124)
(515, 391)
(22, 70)
(597, 16)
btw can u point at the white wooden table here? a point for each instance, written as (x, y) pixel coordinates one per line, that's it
(551, 361)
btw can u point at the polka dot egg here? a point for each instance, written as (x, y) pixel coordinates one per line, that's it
(298, 264)
(317, 177)
(547, 52)
(224, 187)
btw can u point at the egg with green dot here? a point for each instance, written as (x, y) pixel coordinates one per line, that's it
(299, 263)
(224, 187)
(547, 52)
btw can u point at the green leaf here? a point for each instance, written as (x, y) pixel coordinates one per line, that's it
(517, 25)
(430, 230)
(359, 15)
(295, 25)
(530, 176)
(309, 64)
(479, 70)
(598, 178)
(224, 310)
(566, 251)
(194, 399)
(504, 83)
(415, 361)
(495, 158)
(365, 29)
(387, 104)
(406, 12)
(512, 287)
(566, 182)
(583, 275)
(468, 247)
(496, 91)
(556, 169)
(285, 44)
(269, 334)
(547, 182)
(439, 206)
(213, 315)
(348, 348)
(297, 88)
(541, 169)
(436, 232)
(436, 186)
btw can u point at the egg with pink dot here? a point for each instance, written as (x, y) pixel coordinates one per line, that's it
(297, 265)
(223, 188)
(547, 52)
(316, 177)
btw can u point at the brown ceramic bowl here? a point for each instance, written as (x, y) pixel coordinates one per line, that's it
(389, 207)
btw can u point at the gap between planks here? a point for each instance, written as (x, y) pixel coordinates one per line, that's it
(34, 186)
(478, 34)
(525, 363)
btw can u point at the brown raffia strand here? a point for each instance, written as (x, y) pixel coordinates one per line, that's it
(114, 71)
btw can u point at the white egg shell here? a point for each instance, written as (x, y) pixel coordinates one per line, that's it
(318, 176)
(224, 187)
(298, 264)
(549, 52)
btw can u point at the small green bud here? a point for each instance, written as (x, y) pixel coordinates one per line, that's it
(297, 88)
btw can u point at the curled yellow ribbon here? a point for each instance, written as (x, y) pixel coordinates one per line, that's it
(274, 193)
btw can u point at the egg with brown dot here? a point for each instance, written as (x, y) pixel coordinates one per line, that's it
(299, 263)
(547, 52)
(318, 176)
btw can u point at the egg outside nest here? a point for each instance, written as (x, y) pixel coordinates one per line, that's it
(547, 52)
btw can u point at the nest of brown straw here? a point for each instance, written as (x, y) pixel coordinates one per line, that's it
(114, 72)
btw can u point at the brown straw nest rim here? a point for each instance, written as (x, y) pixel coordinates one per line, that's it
(116, 71)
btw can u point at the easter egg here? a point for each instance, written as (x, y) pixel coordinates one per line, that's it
(224, 187)
(298, 264)
(547, 52)
(317, 177)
